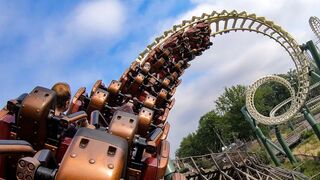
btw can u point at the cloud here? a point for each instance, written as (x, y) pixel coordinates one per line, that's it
(87, 24)
(235, 58)
(60, 46)
(98, 19)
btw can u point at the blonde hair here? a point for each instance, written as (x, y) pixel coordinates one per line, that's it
(63, 93)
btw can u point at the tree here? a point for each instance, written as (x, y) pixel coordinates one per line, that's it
(218, 127)
(229, 105)
(187, 146)
(270, 95)
(212, 132)
(232, 98)
(208, 136)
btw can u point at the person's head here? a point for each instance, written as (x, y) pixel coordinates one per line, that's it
(63, 95)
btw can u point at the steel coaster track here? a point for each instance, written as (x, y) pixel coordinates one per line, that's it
(274, 78)
(308, 102)
(314, 23)
(225, 22)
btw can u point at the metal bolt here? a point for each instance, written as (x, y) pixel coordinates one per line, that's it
(110, 166)
(20, 175)
(31, 166)
(73, 155)
(92, 161)
(22, 163)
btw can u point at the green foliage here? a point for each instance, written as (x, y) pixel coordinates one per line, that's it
(310, 168)
(228, 105)
(218, 127)
(263, 155)
(269, 95)
(231, 99)
(183, 170)
(206, 137)
(292, 77)
(306, 134)
(187, 146)
(205, 163)
(209, 131)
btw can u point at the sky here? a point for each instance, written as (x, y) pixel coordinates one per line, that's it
(79, 42)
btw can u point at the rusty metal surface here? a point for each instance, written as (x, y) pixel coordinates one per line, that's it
(94, 155)
(124, 125)
(33, 116)
(15, 147)
(98, 100)
(26, 168)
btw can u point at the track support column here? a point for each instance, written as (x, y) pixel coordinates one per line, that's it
(290, 125)
(314, 75)
(284, 145)
(313, 50)
(260, 135)
(313, 123)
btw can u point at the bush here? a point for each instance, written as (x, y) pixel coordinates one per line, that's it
(205, 163)
(310, 167)
(263, 155)
(307, 134)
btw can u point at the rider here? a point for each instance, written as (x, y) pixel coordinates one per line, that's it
(63, 97)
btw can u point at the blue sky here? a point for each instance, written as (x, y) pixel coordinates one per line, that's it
(79, 42)
(74, 41)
